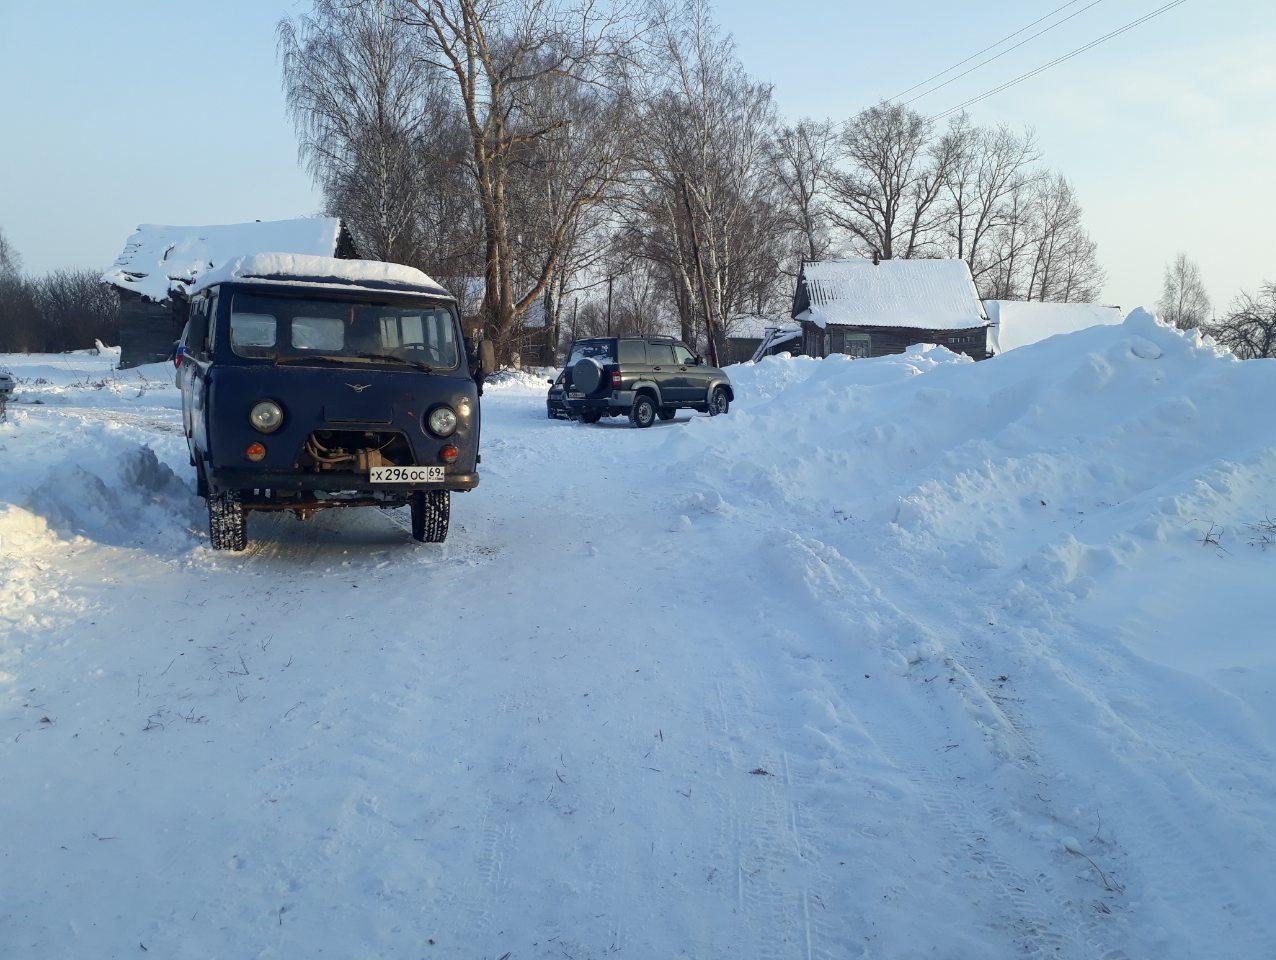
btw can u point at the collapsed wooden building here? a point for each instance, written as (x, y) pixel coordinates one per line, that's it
(159, 263)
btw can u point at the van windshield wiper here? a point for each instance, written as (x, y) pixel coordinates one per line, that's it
(393, 359)
(321, 358)
(318, 358)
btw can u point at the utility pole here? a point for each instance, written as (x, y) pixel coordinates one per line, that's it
(575, 305)
(704, 284)
(609, 280)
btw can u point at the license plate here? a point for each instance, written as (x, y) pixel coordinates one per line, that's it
(406, 475)
(576, 395)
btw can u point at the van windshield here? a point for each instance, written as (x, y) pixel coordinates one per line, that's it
(295, 328)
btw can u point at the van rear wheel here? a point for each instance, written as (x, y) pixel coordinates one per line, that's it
(431, 511)
(227, 523)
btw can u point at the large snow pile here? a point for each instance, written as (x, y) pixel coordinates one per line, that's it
(1017, 323)
(1077, 537)
(157, 258)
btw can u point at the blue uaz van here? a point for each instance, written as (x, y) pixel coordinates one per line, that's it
(309, 382)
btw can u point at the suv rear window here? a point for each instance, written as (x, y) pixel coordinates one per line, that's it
(600, 350)
(633, 351)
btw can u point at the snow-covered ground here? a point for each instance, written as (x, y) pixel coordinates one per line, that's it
(909, 657)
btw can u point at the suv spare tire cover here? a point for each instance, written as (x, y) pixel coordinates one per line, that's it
(587, 374)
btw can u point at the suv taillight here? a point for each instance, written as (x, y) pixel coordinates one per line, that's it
(615, 379)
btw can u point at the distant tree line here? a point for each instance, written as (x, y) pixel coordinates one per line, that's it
(544, 153)
(62, 310)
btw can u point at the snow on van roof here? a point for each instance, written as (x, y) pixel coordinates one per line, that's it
(1018, 323)
(158, 260)
(920, 294)
(290, 269)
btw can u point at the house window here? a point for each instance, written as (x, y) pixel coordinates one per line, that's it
(851, 344)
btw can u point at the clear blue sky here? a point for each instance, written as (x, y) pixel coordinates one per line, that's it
(117, 113)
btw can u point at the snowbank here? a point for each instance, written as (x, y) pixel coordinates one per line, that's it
(89, 378)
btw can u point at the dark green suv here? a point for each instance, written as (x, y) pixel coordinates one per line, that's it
(644, 378)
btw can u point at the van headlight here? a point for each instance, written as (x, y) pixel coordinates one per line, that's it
(442, 421)
(266, 417)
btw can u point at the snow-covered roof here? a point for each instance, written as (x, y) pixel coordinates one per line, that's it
(290, 269)
(747, 326)
(1017, 323)
(159, 259)
(921, 294)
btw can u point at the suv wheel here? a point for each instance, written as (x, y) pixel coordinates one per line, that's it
(667, 413)
(227, 525)
(719, 402)
(431, 511)
(643, 412)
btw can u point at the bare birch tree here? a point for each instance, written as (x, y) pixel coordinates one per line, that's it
(362, 99)
(496, 53)
(988, 170)
(1184, 301)
(803, 161)
(888, 193)
(10, 261)
(1064, 264)
(704, 145)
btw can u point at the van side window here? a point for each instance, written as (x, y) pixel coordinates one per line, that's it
(682, 354)
(210, 311)
(197, 327)
(253, 334)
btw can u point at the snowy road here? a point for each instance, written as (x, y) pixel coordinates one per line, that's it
(722, 688)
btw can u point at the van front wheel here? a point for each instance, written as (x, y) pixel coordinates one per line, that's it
(227, 524)
(431, 511)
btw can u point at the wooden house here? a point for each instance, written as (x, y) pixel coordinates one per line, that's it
(159, 263)
(870, 308)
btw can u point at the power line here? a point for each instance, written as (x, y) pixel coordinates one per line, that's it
(998, 56)
(1058, 60)
(980, 53)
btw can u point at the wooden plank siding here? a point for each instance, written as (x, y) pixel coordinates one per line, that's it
(148, 330)
(884, 341)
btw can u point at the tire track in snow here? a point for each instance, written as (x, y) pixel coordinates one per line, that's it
(768, 852)
(1023, 900)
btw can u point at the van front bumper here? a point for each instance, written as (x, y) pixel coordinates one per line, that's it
(240, 478)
